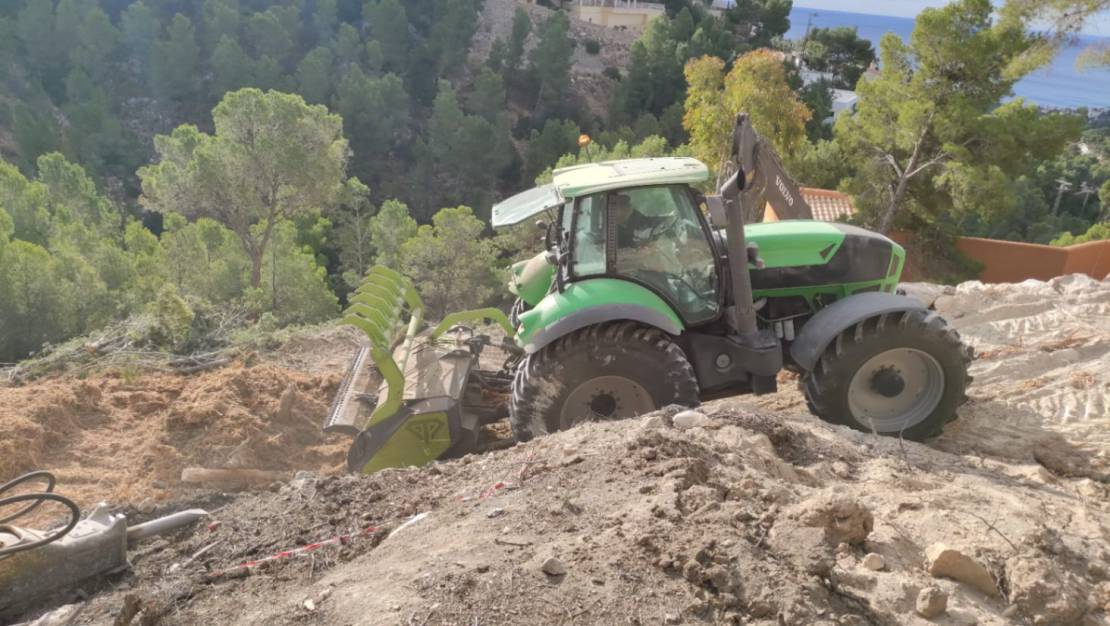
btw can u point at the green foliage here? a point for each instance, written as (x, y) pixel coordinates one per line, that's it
(389, 230)
(545, 147)
(654, 81)
(389, 25)
(272, 156)
(171, 318)
(1098, 232)
(929, 135)
(219, 19)
(174, 60)
(765, 19)
(295, 289)
(36, 300)
(818, 98)
(1064, 18)
(140, 29)
(522, 26)
(488, 97)
(203, 259)
(96, 41)
(549, 62)
(652, 146)
(352, 218)
(593, 46)
(269, 33)
(839, 51)
(455, 23)
(314, 75)
(756, 85)
(466, 152)
(821, 164)
(375, 114)
(64, 267)
(231, 67)
(450, 262)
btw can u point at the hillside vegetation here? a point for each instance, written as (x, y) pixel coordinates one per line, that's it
(250, 159)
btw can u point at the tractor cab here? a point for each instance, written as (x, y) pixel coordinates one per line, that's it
(636, 220)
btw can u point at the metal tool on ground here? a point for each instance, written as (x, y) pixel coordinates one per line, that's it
(37, 564)
(650, 293)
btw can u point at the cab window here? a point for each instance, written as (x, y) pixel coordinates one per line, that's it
(589, 236)
(661, 242)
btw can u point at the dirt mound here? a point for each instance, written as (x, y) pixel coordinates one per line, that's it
(126, 438)
(762, 514)
(638, 522)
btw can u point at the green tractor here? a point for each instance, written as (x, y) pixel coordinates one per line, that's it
(649, 293)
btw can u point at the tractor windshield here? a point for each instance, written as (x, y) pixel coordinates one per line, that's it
(661, 242)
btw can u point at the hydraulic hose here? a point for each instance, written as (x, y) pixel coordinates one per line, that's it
(36, 499)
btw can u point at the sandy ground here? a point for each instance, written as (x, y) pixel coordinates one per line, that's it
(759, 514)
(124, 437)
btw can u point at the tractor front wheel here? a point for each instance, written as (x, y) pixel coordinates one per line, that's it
(901, 374)
(603, 372)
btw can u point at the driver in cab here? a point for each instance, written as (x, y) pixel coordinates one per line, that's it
(639, 236)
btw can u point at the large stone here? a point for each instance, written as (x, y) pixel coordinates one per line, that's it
(843, 520)
(554, 567)
(1045, 592)
(931, 602)
(943, 561)
(690, 419)
(873, 562)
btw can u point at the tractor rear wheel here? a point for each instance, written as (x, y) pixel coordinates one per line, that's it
(901, 374)
(602, 372)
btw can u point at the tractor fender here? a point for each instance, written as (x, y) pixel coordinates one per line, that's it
(841, 315)
(590, 302)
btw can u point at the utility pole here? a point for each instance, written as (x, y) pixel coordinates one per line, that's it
(1062, 186)
(1086, 191)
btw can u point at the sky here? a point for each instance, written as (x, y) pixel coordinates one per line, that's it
(1099, 26)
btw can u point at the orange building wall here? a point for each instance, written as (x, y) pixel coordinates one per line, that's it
(1014, 261)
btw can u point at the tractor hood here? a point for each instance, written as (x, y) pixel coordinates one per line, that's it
(580, 180)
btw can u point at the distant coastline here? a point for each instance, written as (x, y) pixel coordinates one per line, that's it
(1060, 85)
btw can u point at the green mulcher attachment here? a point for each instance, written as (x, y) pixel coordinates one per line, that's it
(434, 394)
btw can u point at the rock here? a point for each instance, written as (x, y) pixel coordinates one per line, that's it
(931, 602)
(940, 560)
(843, 520)
(690, 419)
(804, 546)
(654, 422)
(843, 548)
(147, 506)
(873, 562)
(554, 567)
(1046, 592)
(498, 512)
(672, 618)
(482, 568)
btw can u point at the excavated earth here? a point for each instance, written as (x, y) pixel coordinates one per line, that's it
(754, 512)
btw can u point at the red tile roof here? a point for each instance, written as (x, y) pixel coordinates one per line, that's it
(827, 205)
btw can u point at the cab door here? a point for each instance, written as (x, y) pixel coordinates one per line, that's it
(653, 236)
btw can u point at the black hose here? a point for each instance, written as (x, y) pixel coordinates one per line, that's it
(36, 498)
(11, 484)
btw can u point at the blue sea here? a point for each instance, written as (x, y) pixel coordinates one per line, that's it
(1060, 84)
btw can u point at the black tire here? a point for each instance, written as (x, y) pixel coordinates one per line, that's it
(566, 368)
(829, 386)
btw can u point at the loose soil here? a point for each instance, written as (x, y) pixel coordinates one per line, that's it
(765, 515)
